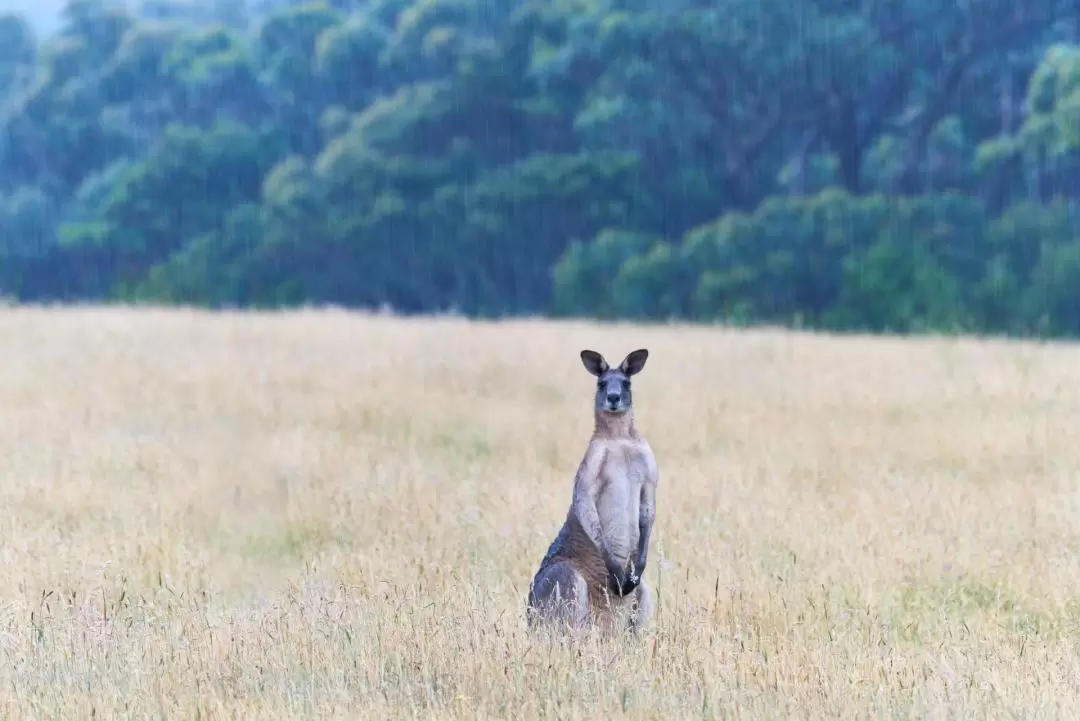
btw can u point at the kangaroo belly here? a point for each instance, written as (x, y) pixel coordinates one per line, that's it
(619, 504)
(618, 511)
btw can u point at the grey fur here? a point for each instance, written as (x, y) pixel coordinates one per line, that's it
(602, 548)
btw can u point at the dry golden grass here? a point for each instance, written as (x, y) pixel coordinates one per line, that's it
(327, 515)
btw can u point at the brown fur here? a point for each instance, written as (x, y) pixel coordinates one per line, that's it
(577, 549)
(614, 428)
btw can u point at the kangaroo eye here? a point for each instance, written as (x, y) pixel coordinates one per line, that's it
(626, 385)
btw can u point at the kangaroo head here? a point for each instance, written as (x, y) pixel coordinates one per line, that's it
(613, 393)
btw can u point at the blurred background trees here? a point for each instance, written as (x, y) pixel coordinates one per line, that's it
(895, 165)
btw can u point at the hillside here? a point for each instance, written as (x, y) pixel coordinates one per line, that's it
(899, 167)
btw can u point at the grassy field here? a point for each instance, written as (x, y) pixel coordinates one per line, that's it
(326, 515)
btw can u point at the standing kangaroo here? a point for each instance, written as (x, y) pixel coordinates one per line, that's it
(594, 568)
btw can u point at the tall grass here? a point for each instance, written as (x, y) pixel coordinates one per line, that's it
(329, 515)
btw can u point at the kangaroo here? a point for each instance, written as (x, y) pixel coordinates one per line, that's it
(594, 569)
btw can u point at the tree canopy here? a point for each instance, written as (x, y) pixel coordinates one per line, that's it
(898, 165)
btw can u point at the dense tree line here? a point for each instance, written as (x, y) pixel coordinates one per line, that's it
(890, 165)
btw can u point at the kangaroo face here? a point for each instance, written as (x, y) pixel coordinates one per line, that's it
(613, 394)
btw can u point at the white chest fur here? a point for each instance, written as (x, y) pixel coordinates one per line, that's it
(624, 473)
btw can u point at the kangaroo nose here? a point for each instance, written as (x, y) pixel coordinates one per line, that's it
(612, 398)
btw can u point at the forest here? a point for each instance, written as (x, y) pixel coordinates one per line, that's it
(848, 165)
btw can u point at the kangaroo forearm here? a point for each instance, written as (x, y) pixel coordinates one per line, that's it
(642, 555)
(641, 558)
(585, 492)
(646, 517)
(589, 518)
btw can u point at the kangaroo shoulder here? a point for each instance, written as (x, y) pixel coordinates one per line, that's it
(589, 469)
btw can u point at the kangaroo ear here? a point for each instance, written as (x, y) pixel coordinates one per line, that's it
(634, 362)
(594, 362)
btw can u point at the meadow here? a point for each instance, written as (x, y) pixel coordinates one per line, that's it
(333, 515)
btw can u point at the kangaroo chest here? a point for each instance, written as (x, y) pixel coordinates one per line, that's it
(625, 471)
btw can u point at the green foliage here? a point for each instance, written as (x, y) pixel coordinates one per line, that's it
(904, 167)
(583, 276)
(183, 188)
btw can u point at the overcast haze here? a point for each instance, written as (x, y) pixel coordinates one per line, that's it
(43, 14)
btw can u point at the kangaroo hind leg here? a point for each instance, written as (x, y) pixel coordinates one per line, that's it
(644, 605)
(559, 596)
